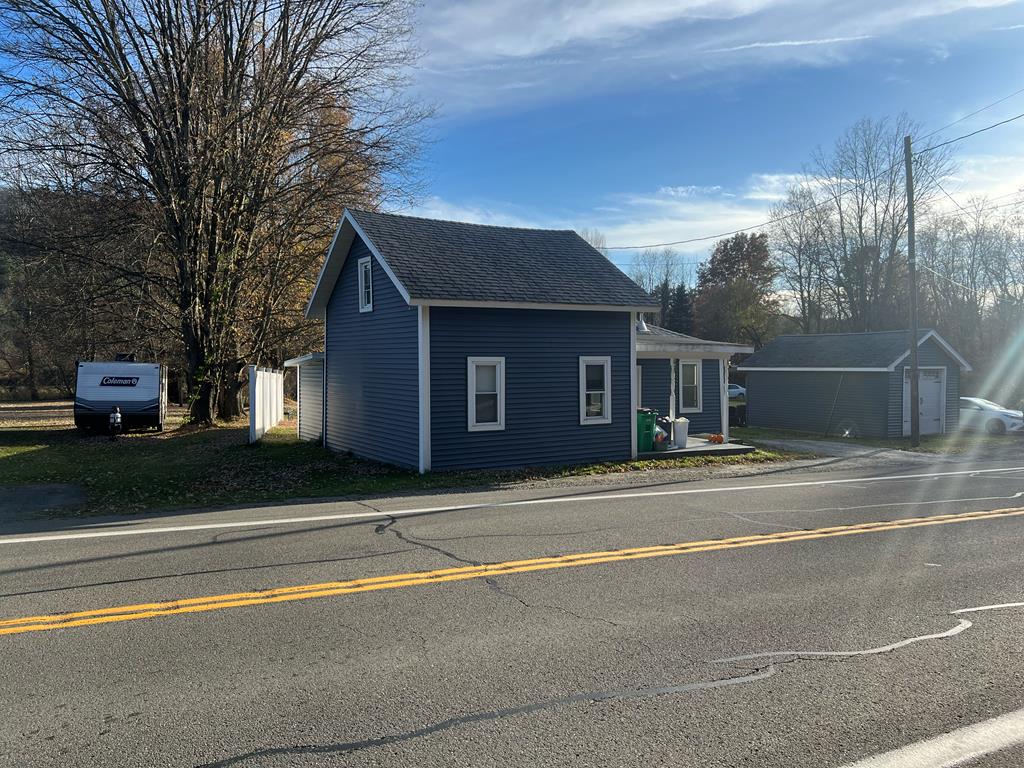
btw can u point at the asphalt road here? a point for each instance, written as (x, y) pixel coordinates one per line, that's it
(609, 658)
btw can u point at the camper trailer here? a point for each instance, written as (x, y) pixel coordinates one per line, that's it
(139, 390)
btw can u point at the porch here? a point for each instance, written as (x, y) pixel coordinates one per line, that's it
(698, 446)
(683, 376)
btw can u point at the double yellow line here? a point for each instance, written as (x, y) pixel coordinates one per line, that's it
(331, 588)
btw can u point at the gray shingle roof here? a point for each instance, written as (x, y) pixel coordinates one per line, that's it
(833, 350)
(656, 331)
(456, 261)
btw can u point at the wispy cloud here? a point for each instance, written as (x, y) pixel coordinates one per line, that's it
(482, 54)
(791, 43)
(1009, 28)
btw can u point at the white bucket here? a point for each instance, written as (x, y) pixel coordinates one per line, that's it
(680, 431)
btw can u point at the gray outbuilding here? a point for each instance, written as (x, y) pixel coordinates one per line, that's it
(309, 386)
(853, 384)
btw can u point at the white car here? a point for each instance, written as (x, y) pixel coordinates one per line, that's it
(978, 414)
(735, 390)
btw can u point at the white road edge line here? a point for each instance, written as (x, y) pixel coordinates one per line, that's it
(142, 529)
(954, 748)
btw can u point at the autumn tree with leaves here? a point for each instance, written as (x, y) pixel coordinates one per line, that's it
(736, 299)
(231, 134)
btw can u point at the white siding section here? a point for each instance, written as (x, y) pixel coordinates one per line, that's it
(266, 400)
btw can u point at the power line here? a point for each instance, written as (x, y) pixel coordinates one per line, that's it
(988, 208)
(954, 215)
(951, 280)
(968, 135)
(943, 189)
(972, 114)
(860, 185)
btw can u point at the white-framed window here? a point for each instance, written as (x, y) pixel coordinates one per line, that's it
(595, 390)
(486, 389)
(365, 267)
(690, 400)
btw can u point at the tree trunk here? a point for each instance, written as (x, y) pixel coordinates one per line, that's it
(33, 380)
(202, 376)
(229, 405)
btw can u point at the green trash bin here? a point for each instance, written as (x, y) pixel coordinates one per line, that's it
(646, 420)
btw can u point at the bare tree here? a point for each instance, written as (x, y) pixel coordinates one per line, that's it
(862, 179)
(596, 238)
(798, 241)
(658, 271)
(232, 131)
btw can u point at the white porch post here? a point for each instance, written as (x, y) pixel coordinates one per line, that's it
(723, 372)
(632, 384)
(673, 364)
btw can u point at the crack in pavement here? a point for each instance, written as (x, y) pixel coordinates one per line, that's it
(207, 572)
(391, 526)
(770, 524)
(496, 714)
(539, 535)
(493, 585)
(752, 675)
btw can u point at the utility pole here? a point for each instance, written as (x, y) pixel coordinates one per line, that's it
(915, 383)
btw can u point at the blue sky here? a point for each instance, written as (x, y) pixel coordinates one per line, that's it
(654, 120)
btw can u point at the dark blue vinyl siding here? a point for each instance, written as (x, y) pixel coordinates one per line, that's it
(542, 407)
(710, 417)
(371, 369)
(818, 401)
(655, 384)
(929, 355)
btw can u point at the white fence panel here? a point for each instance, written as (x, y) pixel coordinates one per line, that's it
(266, 400)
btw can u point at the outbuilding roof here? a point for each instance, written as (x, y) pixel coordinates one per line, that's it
(874, 351)
(454, 263)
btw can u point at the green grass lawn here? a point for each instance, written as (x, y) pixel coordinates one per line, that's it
(955, 444)
(191, 467)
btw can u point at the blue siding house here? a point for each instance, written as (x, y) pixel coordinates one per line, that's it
(452, 345)
(853, 384)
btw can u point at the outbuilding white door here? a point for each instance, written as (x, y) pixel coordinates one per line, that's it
(931, 400)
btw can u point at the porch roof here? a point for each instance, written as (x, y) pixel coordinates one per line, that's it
(654, 341)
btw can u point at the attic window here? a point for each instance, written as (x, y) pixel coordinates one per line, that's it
(365, 284)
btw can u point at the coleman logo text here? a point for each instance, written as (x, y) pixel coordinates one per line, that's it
(119, 381)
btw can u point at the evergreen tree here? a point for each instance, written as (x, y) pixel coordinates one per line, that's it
(664, 295)
(680, 311)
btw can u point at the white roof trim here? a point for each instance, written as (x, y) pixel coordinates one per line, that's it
(834, 370)
(312, 357)
(527, 305)
(331, 270)
(942, 343)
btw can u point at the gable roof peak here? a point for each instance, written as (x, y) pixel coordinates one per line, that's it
(455, 263)
(366, 212)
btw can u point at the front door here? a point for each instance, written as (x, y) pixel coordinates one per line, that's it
(931, 400)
